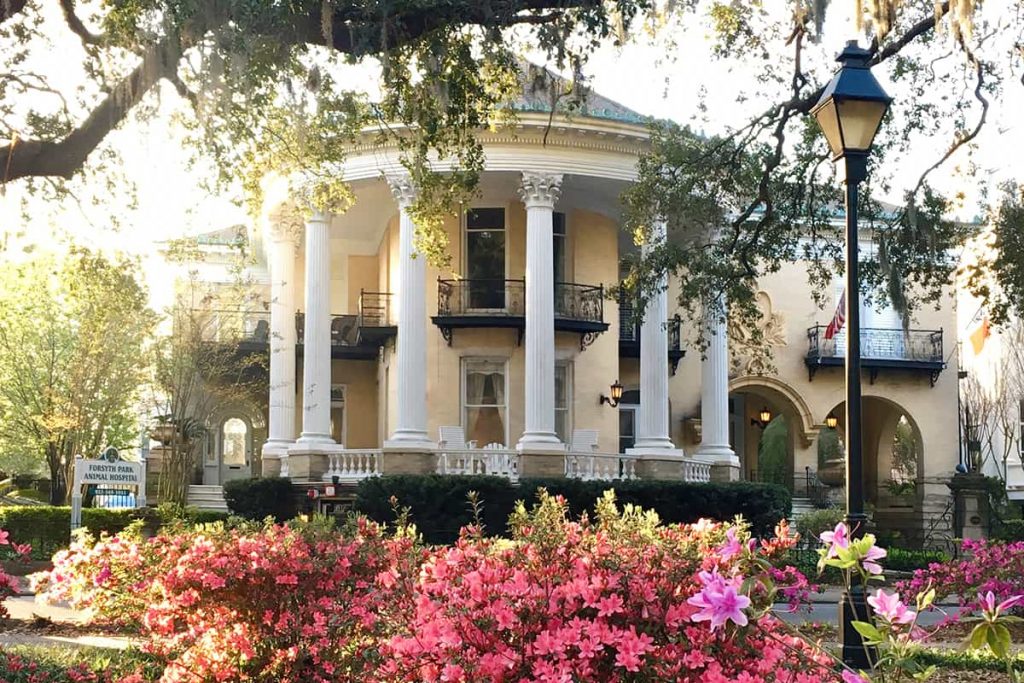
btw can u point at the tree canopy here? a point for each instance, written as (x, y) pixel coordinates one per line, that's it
(268, 89)
(71, 340)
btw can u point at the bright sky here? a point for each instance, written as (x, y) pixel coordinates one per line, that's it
(170, 202)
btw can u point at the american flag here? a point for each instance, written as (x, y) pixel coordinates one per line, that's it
(839, 319)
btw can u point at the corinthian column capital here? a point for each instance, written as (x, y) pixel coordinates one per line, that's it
(540, 190)
(403, 189)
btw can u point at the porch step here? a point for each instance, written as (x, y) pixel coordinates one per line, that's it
(801, 506)
(207, 497)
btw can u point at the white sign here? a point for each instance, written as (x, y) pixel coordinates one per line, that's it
(102, 472)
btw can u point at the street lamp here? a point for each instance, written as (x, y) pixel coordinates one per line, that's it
(849, 112)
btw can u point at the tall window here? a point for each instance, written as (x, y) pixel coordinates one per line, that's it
(1020, 439)
(563, 400)
(558, 248)
(485, 257)
(338, 413)
(484, 404)
(234, 437)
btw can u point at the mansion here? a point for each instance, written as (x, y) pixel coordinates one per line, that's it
(514, 361)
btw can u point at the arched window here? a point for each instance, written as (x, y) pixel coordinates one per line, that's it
(234, 437)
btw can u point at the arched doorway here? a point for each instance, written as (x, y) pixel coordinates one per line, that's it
(234, 450)
(892, 452)
(770, 430)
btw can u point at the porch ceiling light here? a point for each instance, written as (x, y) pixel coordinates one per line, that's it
(763, 418)
(616, 395)
(831, 421)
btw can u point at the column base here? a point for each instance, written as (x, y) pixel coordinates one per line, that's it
(409, 440)
(274, 455)
(716, 453)
(307, 461)
(541, 461)
(540, 442)
(655, 444)
(725, 471)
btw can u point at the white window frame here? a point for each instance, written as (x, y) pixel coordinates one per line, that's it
(568, 409)
(463, 406)
(343, 390)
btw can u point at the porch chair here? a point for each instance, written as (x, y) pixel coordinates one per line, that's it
(582, 443)
(453, 438)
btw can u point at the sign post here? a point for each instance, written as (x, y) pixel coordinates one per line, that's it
(109, 469)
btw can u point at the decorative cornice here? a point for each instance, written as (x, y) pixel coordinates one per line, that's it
(540, 189)
(403, 190)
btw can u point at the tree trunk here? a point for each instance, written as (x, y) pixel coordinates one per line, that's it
(58, 484)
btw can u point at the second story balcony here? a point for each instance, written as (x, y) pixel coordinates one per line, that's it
(502, 304)
(629, 336)
(881, 349)
(355, 336)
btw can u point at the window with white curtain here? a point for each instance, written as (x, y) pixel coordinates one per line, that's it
(235, 433)
(563, 400)
(484, 411)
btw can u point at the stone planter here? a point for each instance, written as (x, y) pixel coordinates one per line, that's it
(164, 433)
(833, 472)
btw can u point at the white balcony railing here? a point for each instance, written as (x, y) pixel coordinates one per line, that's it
(352, 465)
(600, 466)
(696, 471)
(493, 459)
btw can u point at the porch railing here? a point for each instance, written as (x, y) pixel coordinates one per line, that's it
(600, 466)
(629, 328)
(374, 309)
(696, 471)
(495, 461)
(880, 343)
(481, 297)
(801, 484)
(579, 302)
(352, 465)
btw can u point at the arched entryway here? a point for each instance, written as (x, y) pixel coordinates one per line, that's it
(892, 451)
(770, 429)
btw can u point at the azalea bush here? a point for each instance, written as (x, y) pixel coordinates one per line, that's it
(9, 584)
(983, 566)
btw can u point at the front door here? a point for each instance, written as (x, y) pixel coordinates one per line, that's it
(627, 419)
(235, 450)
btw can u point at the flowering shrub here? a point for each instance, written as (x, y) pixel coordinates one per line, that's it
(984, 567)
(9, 584)
(621, 598)
(36, 665)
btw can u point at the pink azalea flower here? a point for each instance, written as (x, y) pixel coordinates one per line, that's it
(890, 608)
(719, 601)
(854, 677)
(836, 539)
(731, 547)
(874, 553)
(991, 609)
(4, 537)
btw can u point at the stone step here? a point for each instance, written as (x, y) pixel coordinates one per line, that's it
(207, 497)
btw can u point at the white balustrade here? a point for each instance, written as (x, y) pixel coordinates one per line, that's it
(492, 459)
(696, 471)
(600, 466)
(352, 465)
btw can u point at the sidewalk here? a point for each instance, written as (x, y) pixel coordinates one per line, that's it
(24, 610)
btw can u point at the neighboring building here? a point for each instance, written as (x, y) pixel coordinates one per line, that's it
(373, 351)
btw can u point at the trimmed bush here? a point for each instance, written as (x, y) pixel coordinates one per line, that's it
(439, 504)
(260, 498)
(902, 560)
(48, 528)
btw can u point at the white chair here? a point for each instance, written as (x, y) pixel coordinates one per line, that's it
(583, 441)
(453, 438)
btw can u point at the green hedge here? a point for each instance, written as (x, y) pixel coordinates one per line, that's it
(440, 507)
(260, 498)
(48, 528)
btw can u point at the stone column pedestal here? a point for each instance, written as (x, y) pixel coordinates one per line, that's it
(541, 463)
(665, 464)
(408, 460)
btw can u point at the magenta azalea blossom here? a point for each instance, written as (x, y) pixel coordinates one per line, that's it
(991, 609)
(836, 539)
(890, 608)
(719, 601)
(854, 677)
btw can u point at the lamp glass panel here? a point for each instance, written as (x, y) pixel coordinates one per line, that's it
(828, 119)
(860, 121)
(616, 391)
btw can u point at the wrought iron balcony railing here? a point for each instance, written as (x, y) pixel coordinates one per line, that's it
(374, 309)
(502, 303)
(881, 348)
(629, 335)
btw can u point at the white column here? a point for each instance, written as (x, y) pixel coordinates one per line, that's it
(714, 400)
(540, 192)
(652, 429)
(281, 428)
(316, 352)
(411, 350)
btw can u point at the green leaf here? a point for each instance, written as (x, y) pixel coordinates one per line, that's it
(998, 639)
(925, 600)
(870, 634)
(978, 636)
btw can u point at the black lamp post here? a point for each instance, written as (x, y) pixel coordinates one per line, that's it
(849, 112)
